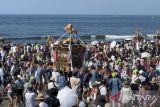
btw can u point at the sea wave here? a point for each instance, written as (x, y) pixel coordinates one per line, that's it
(108, 36)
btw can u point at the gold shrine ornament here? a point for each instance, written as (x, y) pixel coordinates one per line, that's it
(69, 28)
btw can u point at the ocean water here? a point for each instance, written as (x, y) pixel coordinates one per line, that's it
(19, 26)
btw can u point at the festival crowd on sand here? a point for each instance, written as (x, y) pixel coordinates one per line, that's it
(110, 76)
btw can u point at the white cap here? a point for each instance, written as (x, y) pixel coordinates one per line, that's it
(19, 76)
(141, 71)
(113, 58)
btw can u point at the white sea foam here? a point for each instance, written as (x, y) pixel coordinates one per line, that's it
(125, 36)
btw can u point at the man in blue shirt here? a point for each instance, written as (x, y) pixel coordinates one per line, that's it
(94, 74)
(61, 80)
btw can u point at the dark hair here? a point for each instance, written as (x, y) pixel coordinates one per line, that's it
(52, 92)
(61, 72)
(103, 82)
(74, 74)
(9, 81)
(30, 87)
(93, 67)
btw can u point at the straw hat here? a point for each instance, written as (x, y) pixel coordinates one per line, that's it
(154, 80)
(52, 79)
(40, 95)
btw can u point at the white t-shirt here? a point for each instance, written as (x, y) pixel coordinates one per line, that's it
(1, 72)
(82, 104)
(137, 46)
(55, 75)
(28, 47)
(69, 95)
(125, 96)
(2, 53)
(51, 85)
(14, 48)
(134, 78)
(142, 78)
(42, 104)
(11, 71)
(30, 99)
(103, 90)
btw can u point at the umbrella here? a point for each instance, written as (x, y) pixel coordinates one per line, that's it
(67, 97)
(94, 42)
(145, 55)
(113, 44)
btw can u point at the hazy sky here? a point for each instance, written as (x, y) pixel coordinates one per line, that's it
(104, 7)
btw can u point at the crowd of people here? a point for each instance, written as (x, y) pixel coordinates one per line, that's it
(112, 75)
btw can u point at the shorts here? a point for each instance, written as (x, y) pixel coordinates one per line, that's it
(10, 94)
(38, 79)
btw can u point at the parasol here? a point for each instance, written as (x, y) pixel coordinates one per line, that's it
(145, 55)
(67, 97)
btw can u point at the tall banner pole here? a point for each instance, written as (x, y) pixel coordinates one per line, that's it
(70, 51)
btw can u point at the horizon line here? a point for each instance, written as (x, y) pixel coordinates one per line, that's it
(90, 14)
